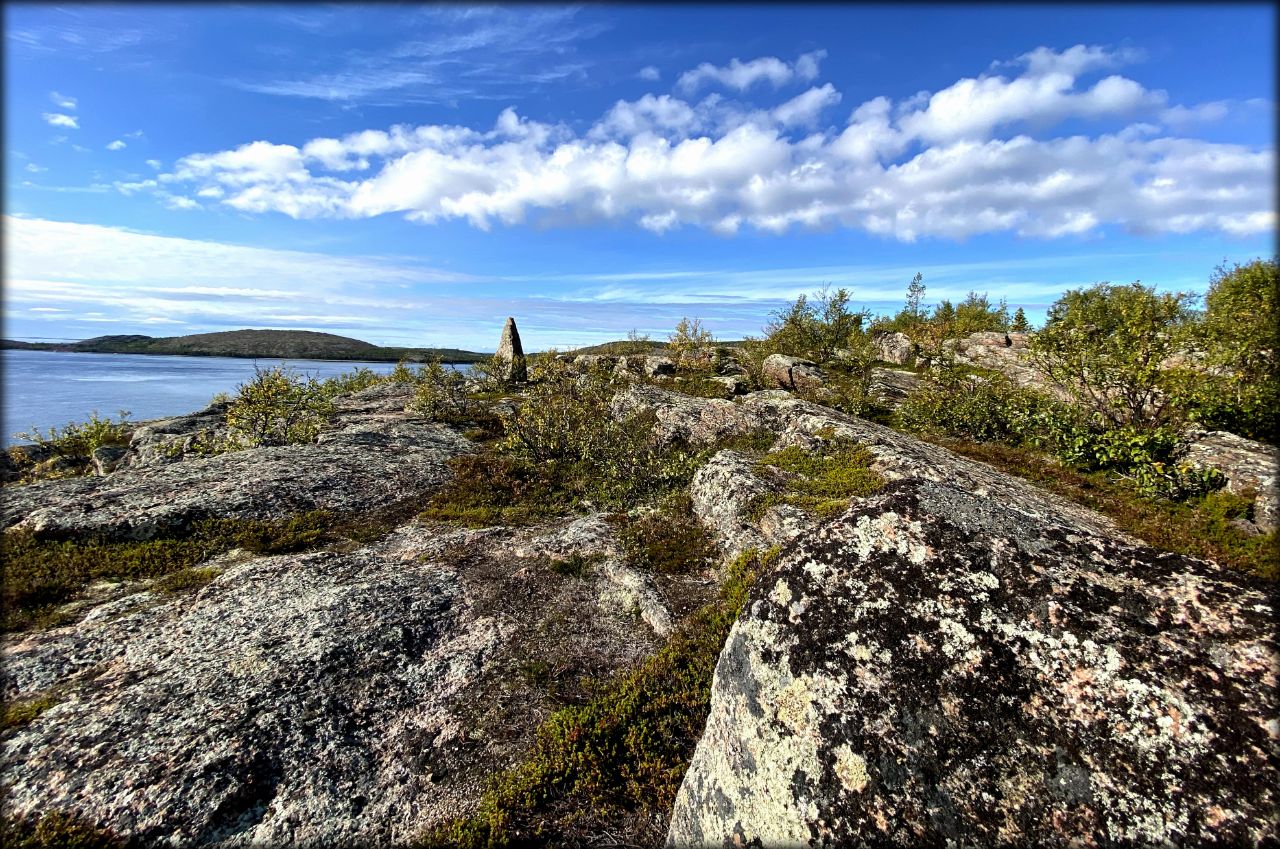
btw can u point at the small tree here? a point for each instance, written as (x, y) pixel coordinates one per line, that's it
(1020, 323)
(915, 293)
(689, 337)
(1104, 345)
(816, 328)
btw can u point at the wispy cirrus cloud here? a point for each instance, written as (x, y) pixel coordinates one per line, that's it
(975, 157)
(446, 55)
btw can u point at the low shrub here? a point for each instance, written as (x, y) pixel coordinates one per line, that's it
(625, 750)
(669, 540)
(57, 830)
(575, 565)
(361, 377)
(277, 407)
(81, 439)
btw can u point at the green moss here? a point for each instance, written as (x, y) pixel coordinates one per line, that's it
(56, 830)
(668, 540)
(24, 711)
(42, 574)
(820, 482)
(625, 750)
(186, 580)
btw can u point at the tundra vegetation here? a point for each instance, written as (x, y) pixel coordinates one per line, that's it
(1125, 371)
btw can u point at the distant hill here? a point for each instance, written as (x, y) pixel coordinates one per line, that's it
(630, 346)
(274, 344)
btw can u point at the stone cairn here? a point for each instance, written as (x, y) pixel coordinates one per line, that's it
(510, 355)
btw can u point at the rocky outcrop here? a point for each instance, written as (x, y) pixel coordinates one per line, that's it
(374, 456)
(894, 347)
(792, 373)
(1249, 467)
(892, 386)
(938, 666)
(510, 354)
(696, 421)
(338, 698)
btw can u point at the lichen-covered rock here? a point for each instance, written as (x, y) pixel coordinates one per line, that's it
(363, 467)
(1248, 466)
(792, 373)
(659, 367)
(170, 440)
(937, 666)
(586, 362)
(696, 421)
(894, 347)
(892, 386)
(106, 458)
(338, 698)
(722, 492)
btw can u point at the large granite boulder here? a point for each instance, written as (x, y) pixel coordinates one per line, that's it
(341, 698)
(792, 373)
(894, 347)
(938, 666)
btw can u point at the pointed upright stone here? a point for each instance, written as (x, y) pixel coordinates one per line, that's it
(510, 354)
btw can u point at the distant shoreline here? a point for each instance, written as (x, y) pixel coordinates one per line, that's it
(253, 344)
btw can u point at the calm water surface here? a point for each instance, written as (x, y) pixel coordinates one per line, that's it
(49, 388)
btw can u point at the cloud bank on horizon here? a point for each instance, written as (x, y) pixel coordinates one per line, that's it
(973, 158)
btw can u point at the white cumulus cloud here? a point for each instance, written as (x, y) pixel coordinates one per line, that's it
(116, 145)
(977, 156)
(63, 101)
(58, 119)
(743, 75)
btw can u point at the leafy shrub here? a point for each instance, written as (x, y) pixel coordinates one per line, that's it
(361, 377)
(441, 394)
(689, 336)
(626, 750)
(669, 540)
(1235, 382)
(81, 439)
(1105, 346)
(820, 482)
(814, 328)
(576, 565)
(983, 409)
(277, 407)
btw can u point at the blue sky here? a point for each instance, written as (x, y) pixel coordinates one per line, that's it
(411, 175)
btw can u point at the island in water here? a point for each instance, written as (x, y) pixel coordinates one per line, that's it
(275, 344)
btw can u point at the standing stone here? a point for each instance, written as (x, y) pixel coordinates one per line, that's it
(511, 355)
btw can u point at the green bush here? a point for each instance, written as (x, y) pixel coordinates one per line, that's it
(1106, 345)
(688, 338)
(1235, 385)
(81, 439)
(812, 328)
(983, 409)
(625, 751)
(277, 407)
(441, 394)
(361, 377)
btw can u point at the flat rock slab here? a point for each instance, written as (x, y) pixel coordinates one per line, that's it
(326, 699)
(360, 469)
(937, 667)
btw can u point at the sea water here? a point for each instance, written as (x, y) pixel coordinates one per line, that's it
(45, 389)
